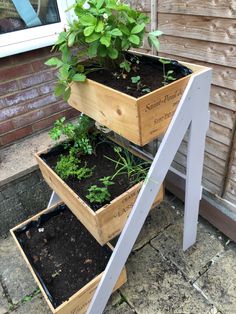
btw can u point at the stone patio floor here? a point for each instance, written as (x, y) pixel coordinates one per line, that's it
(161, 277)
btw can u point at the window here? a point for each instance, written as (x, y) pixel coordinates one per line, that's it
(30, 24)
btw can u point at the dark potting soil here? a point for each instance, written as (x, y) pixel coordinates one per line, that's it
(149, 69)
(103, 168)
(63, 254)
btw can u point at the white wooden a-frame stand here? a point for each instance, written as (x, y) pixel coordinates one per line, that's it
(193, 112)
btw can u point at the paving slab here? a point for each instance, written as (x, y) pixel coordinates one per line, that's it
(218, 283)
(36, 306)
(156, 286)
(117, 305)
(15, 276)
(193, 261)
(158, 219)
(3, 301)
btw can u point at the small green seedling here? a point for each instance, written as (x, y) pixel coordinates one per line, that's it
(168, 77)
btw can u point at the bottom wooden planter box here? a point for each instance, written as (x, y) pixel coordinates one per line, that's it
(107, 222)
(79, 301)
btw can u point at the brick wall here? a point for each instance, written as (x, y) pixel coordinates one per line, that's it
(27, 102)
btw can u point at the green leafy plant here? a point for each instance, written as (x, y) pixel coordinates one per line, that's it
(103, 29)
(168, 76)
(100, 194)
(76, 134)
(127, 163)
(69, 166)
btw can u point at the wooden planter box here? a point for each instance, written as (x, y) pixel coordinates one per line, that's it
(79, 302)
(140, 120)
(107, 222)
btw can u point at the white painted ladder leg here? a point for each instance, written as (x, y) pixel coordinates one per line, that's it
(53, 199)
(195, 159)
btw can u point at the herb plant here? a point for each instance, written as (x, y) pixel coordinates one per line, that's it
(103, 30)
(69, 166)
(127, 163)
(76, 134)
(100, 194)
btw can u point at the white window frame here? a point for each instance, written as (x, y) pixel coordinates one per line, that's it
(37, 37)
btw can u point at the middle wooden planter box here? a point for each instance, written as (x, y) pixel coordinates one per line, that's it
(105, 223)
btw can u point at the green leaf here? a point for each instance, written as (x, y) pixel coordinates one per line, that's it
(92, 38)
(92, 50)
(113, 53)
(153, 41)
(125, 44)
(71, 39)
(67, 94)
(102, 51)
(61, 38)
(54, 62)
(64, 72)
(156, 33)
(116, 32)
(124, 29)
(134, 39)
(59, 90)
(88, 20)
(88, 31)
(164, 61)
(79, 77)
(100, 27)
(106, 40)
(125, 65)
(138, 28)
(135, 79)
(99, 4)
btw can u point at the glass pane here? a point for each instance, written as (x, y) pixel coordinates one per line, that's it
(22, 14)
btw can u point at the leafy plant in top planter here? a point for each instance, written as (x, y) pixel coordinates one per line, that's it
(96, 67)
(104, 30)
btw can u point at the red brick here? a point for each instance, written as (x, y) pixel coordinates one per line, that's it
(6, 127)
(29, 56)
(41, 102)
(2, 103)
(21, 97)
(36, 79)
(7, 88)
(13, 72)
(48, 122)
(39, 65)
(16, 135)
(47, 88)
(27, 119)
(37, 115)
(5, 62)
(10, 112)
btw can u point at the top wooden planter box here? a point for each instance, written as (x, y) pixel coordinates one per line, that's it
(140, 120)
